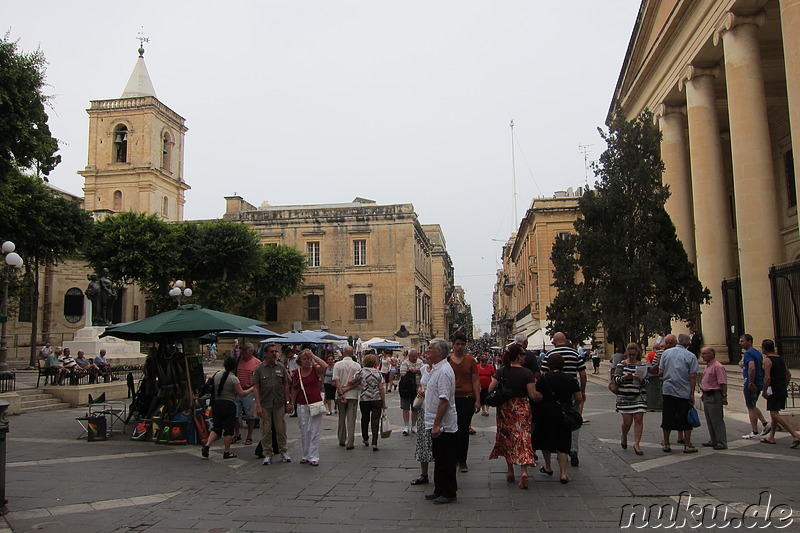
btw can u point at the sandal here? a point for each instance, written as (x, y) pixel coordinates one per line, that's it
(795, 443)
(523, 481)
(228, 455)
(510, 477)
(564, 480)
(235, 439)
(314, 463)
(666, 448)
(689, 449)
(204, 451)
(248, 442)
(543, 471)
(421, 480)
(765, 441)
(304, 461)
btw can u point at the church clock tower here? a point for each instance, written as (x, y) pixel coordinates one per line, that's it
(135, 153)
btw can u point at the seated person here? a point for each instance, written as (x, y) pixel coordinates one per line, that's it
(69, 365)
(52, 364)
(84, 366)
(102, 365)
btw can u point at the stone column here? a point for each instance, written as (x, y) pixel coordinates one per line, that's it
(716, 258)
(757, 223)
(674, 153)
(790, 18)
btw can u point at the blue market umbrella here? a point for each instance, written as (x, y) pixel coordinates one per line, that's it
(395, 347)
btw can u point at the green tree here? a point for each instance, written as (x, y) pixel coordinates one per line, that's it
(570, 312)
(46, 228)
(279, 272)
(636, 273)
(25, 140)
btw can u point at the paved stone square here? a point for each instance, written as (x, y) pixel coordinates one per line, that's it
(58, 483)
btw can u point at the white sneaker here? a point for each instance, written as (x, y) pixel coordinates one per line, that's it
(414, 430)
(267, 461)
(285, 457)
(751, 435)
(766, 429)
(405, 431)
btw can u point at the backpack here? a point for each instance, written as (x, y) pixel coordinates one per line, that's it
(407, 388)
(209, 390)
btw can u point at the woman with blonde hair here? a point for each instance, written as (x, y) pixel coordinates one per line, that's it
(631, 395)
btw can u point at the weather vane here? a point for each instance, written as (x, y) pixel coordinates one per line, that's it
(142, 39)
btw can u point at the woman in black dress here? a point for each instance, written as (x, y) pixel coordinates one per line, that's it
(553, 390)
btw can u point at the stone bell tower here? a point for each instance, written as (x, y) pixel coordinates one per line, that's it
(135, 153)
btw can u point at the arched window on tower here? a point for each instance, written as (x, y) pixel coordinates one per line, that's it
(165, 207)
(166, 151)
(118, 201)
(121, 144)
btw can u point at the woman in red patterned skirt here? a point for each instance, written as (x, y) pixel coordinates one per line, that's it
(513, 440)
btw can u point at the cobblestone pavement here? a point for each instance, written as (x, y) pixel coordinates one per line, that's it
(55, 482)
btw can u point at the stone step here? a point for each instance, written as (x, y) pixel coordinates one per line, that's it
(40, 402)
(58, 406)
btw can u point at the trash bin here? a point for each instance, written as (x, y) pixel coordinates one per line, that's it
(655, 401)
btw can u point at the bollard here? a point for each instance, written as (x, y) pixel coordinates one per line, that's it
(3, 432)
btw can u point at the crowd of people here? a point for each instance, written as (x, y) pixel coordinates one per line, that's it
(443, 388)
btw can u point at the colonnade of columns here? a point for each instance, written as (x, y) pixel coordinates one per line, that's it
(695, 171)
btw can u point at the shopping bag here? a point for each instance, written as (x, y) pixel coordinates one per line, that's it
(386, 427)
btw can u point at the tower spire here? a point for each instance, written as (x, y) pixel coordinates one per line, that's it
(139, 83)
(142, 39)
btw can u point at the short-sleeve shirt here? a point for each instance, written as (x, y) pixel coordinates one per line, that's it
(485, 374)
(753, 355)
(244, 371)
(343, 371)
(678, 365)
(518, 378)
(407, 365)
(52, 360)
(714, 376)
(82, 362)
(228, 392)
(370, 382)
(573, 363)
(463, 372)
(100, 360)
(270, 380)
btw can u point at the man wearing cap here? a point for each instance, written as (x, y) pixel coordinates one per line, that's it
(245, 404)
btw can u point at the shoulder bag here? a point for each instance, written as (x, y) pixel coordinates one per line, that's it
(501, 394)
(570, 419)
(316, 408)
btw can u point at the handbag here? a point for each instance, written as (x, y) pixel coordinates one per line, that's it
(417, 404)
(613, 387)
(501, 394)
(407, 388)
(386, 426)
(570, 418)
(693, 418)
(316, 408)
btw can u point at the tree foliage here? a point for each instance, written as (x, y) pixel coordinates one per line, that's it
(25, 140)
(637, 276)
(221, 261)
(570, 312)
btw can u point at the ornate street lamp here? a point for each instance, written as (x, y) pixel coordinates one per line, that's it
(13, 261)
(179, 290)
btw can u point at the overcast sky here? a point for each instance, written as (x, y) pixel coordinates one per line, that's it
(296, 102)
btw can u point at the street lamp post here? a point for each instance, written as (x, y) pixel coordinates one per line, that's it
(179, 290)
(13, 260)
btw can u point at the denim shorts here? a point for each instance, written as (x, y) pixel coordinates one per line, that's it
(245, 405)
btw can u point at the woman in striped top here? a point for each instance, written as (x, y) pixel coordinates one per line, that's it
(631, 396)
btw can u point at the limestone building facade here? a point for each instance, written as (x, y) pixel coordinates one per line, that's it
(523, 288)
(723, 80)
(373, 270)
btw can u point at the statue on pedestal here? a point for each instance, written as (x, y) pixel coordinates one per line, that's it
(101, 294)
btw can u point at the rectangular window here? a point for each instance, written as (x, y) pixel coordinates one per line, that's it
(312, 249)
(791, 185)
(312, 308)
(360, 307)
(271, 310)
(360, 252)
(25, 304)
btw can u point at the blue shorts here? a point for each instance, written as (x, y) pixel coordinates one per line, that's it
(245, 405)
(750, 398)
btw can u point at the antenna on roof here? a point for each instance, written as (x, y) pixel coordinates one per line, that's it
(142, 39)
(584, 149)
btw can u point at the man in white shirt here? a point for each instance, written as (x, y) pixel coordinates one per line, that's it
(441, 420)
(343, 371)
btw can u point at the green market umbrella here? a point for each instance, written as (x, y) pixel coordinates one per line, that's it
(190, 321)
